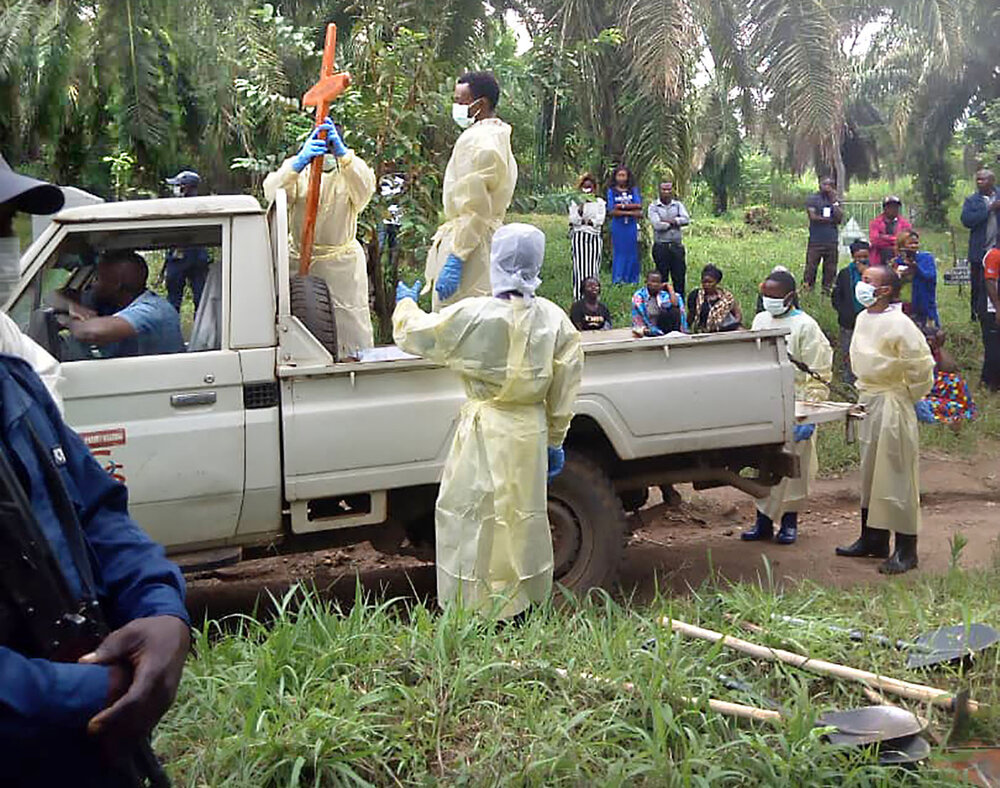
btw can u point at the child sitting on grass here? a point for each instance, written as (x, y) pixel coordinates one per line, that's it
(949, 401)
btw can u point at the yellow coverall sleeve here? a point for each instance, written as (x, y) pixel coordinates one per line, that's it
(434, 336)
(283, 178)
(567, 371)
(815, 351)
(917, 361)
(359, 178)
(472, 196)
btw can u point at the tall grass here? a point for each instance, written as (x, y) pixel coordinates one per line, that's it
(746, 256)
(385, 694)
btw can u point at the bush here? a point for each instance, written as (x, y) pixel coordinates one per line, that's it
(759, 218)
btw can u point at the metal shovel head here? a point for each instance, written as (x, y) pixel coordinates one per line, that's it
(912, 749)
(949, 644)
(871, 724)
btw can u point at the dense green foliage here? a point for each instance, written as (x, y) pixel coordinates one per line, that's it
(390, 694)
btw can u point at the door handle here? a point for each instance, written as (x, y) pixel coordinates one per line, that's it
(193, 400)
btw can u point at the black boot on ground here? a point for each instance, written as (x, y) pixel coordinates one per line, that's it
(762, 529)
(904, 558)
(873, 542)
(789, 528)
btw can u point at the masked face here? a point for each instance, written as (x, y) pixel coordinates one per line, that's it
(460, 114)
(176, 191)
(775, 306)
(866, 293)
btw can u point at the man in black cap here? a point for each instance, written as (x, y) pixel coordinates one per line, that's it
(21, 193)
(191, 263)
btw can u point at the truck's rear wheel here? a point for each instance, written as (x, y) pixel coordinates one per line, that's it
(311, 303)
(588, 525)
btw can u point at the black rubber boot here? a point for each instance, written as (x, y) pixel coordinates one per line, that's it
(904, 558)
(789, 528)
(873, 542)
(762, 529)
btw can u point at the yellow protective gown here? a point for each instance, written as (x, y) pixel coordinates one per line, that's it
(337, 256)
(895, 369)
(478, 185)
(521, 362)
(808, 344)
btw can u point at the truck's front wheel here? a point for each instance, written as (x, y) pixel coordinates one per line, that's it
(588, 525)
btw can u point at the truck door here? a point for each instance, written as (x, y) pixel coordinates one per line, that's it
(169, 425)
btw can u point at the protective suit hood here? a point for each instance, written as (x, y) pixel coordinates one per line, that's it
(516, 258)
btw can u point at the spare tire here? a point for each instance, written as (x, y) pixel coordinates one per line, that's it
(311, 303)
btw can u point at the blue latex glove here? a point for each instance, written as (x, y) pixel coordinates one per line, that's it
(313, 146)
(924, 412)
(804, 432)
(334, 141)
(557, 461)
(449, 278)
(403, 292)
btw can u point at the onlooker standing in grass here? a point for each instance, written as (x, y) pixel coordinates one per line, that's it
(656, 308)
(625, 207)
(712, 308)
(668, 216)
(589, 313)
(586, 222)
(918, 272)
(884, 229)
(895, 370)
(980, 215)
(825, 214)
(846, 303)
(809, 345)
(991, 321)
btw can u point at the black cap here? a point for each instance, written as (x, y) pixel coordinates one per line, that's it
(27, 194)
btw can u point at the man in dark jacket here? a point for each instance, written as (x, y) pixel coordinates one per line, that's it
(845, 302)
(980, 215)
(61, 722)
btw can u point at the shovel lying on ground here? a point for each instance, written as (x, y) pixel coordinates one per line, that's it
(895, 732)
(958, 705)
(947, 644)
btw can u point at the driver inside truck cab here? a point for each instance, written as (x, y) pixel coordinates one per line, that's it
(118, 315)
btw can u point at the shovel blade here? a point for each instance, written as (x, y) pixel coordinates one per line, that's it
(950, 644)
(871, 724)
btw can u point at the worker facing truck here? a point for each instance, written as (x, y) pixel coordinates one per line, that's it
(521, 363)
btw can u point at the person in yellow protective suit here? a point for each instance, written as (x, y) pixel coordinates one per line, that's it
(895, 369)
(806, 344)
(521, 360)
(347, 186)
(478, 185)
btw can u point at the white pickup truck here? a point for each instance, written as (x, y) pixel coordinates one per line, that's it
(257, 438)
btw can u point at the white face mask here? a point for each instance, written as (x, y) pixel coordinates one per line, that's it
(865, 293)
(176, 191)
(460, 114)
(776, 306)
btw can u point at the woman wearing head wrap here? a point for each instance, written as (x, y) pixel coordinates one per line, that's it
(712, 308)
(520, 360)
(586, 223)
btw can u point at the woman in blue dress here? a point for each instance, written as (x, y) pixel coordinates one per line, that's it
(625, 208)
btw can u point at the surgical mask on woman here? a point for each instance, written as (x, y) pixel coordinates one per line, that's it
(776, 306)
(865, 293)
(460, 114)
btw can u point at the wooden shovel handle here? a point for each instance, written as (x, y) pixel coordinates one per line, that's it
(904, 689)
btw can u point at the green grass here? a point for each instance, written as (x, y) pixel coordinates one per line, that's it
(746, 256)
(389, 695)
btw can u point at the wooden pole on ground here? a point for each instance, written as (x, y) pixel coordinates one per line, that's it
(904, 689)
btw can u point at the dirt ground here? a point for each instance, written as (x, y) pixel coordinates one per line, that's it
(677, 547)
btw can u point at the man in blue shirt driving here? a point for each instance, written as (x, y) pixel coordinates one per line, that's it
(129, 320)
